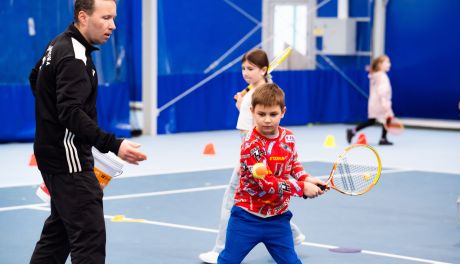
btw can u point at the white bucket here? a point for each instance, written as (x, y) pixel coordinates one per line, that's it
(106, 167)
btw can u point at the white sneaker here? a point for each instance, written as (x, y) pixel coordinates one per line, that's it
(43, 193)
(299, 239)
(209, 257)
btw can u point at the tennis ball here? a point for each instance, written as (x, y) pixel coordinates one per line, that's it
(259, 171)
(366, 176)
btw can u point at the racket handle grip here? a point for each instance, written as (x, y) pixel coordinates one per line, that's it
(242, 93)
(322, 187)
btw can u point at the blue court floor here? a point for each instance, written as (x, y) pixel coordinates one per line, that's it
(172, 216)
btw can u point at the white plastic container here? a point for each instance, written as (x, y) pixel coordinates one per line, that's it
(106, 167)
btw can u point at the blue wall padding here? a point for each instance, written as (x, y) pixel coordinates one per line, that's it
(311, 97)
(192, 34)
(18, 111)
(425, 57)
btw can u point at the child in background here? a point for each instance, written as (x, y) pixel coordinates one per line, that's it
(260, 213)
(254, 69)
(379, 104)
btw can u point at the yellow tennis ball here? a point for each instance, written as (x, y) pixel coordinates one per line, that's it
(259, 171)
(366, 176)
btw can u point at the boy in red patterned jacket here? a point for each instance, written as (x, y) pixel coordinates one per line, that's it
(260, 213)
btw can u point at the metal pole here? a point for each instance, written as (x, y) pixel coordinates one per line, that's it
(378, 43)
(149, 66)
(342, 9)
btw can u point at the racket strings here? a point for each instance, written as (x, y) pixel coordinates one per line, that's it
(354, 178)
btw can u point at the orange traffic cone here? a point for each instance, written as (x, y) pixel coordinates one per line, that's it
(209, 149)
(361, 139)
(33, 161)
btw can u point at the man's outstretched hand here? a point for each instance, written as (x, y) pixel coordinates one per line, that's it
(129, 152)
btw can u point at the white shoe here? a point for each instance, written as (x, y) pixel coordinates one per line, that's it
(209, 257)
(299, 239)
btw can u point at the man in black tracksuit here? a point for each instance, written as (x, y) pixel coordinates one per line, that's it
(64, 83)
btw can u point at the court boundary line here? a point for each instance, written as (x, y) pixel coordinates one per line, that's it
(158, 193)
(310, 244)
(184, 171)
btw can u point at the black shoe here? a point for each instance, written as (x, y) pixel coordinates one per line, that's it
(385, 142)
(136, 132)
(350, 135)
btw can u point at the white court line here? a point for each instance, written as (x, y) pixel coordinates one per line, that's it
(199, 189)
(20, 207)
(148, 194)
(213, 168)
(194, 228)
(125, 196)
(375, 253)
(310, 244)
(39, 206)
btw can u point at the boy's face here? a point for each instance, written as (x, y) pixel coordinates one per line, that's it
(267, 119)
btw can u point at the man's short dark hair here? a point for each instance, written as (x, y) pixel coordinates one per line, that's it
(83, 5)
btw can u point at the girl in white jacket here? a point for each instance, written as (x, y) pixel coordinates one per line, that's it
(379, 105)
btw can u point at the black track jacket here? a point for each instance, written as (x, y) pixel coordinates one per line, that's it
(64, 83)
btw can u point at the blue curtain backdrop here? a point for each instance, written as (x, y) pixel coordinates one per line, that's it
(422, 39)
(29, 26)
(193, 34)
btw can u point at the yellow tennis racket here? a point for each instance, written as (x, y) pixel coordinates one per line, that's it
(356, 171)
(275, 62)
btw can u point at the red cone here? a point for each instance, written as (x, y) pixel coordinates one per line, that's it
(361, 139)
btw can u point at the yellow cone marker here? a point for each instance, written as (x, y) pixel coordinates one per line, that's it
(329, 142)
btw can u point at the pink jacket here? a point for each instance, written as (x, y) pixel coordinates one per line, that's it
(379, 105)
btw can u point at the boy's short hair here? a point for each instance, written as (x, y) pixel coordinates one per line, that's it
(268, 94)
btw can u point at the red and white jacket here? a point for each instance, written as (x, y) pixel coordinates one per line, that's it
(269, 196)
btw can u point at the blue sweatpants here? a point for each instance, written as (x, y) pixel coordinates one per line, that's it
(245, 231)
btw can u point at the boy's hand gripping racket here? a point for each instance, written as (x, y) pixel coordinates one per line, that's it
(275, 62)
(355, 171)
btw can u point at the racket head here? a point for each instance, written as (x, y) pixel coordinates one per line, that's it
(394, 126)
(356, 171)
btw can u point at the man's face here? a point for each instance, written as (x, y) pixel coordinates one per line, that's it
(101, 23)
(267, 119)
